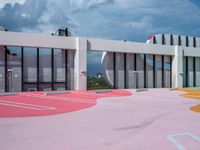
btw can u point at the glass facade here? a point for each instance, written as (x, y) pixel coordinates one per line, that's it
(45, 68)
(59, 65)
(149, 70)
(38, 69)
(152, 71)
(35, 69)
(14, 71)
(30, 65)
(2, 69)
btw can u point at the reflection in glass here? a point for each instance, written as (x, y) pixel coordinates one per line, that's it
(59, 65)
(45, 72)
(14, 69)
(30, 64)
(2, 69)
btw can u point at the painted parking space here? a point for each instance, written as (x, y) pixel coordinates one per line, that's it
(184, 141)
(28, 104)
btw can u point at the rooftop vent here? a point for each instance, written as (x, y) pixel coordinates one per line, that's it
(63, 32)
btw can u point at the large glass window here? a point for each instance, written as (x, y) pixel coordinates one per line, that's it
(167, 72)
(120, 70)
(70, 69)
(59, 65)
(149, 71)
(14, 74)
(45, 63)
(140, 69)
(30, 64)
(158, 73)
(2, 69)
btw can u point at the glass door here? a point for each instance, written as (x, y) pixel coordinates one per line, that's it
(14, 73)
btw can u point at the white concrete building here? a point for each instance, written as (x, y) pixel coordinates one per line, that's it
(46, 62)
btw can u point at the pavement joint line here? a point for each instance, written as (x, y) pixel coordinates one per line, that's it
(26, 104)
(171, 138)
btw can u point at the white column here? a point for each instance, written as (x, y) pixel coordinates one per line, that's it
(80, 68)
(177, 68)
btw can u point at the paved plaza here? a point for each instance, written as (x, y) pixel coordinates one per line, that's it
(157, 119)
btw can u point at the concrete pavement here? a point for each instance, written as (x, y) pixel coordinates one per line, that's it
(143, 121)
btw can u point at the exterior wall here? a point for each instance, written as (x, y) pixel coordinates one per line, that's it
(152, 74)
(37, 69)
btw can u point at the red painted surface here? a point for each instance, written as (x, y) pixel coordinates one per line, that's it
(29, 104)
(149, 38)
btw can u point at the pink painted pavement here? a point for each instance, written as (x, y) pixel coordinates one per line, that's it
(143, 121)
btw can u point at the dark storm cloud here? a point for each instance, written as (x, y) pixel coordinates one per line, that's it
(20, 16)
(92, 5)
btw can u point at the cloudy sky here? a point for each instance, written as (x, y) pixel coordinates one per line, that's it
(132, 20)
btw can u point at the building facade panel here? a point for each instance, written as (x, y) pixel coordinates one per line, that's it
(197, 71)
(130, 71)
(149, 71)
(140, 69)
(158, 71)
(190, 72)
(2, 69)
(167, 71)
(14, 68)
(119, 70)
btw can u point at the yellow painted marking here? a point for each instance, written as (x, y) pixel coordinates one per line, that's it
(192, 93)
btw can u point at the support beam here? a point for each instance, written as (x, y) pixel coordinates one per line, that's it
(22, 68)
(66, 69)
(154, 71)
(125, 70)
(38, 68)
(177, 68)
(80, 69)
(114, 71)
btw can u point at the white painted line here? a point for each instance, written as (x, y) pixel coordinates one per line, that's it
(172, 139)
(25, 104)
(66, 99)
(18, 106)
(94, 94)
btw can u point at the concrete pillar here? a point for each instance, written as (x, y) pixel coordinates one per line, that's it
(177, 68)
(80, 68)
